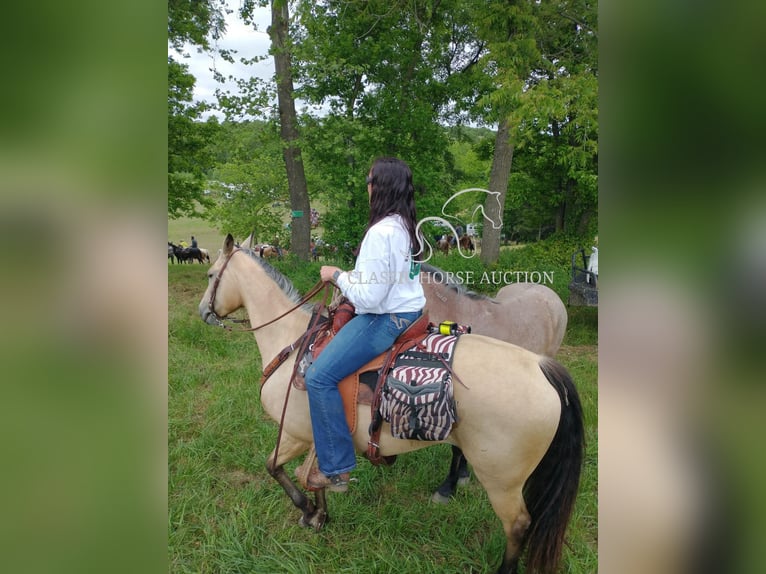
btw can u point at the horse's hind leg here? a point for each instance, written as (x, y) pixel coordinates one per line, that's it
(510, 508)
(313, 515)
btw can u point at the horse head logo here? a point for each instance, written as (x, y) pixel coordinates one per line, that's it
(496, 224)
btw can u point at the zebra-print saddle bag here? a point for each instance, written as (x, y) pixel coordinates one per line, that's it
(417, 398)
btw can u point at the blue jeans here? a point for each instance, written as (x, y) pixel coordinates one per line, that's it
(358, 342)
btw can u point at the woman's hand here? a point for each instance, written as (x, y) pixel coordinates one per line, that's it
(327, 271)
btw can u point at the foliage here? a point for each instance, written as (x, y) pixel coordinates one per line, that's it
(558, 120)
(548, 89)
(302, 274)
(188, 139)
(249, 183)
(195, 21)
(372, 64)
(552, 255)
(399, 78)
(469, 166)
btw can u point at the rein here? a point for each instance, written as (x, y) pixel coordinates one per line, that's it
(220, 320)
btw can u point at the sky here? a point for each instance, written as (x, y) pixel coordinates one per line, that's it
(248, 42)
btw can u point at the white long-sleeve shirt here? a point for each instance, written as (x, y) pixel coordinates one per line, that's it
(381, 282)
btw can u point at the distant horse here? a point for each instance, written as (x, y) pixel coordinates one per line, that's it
(188, 254)
(444, 243)
(205, 254)
(466, 243)
(171, 252)
(447, 241)
(268, 251)
(526, 314)
(521, 421)
(263, 250)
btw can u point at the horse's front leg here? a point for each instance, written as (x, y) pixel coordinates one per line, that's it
(458, 474)
(313, 515)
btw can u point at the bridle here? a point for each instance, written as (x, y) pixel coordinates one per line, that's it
(220, 320)
(211, 304)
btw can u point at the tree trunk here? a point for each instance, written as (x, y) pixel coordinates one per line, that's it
(498, 182)
(567, 202)
(288, 121)
(560, 214)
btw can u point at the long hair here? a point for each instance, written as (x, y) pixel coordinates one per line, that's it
(393, 193)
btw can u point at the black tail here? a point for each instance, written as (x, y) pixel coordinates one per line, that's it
(551, 490)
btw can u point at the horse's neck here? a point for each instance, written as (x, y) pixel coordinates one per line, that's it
(445, 304)
(262, 306)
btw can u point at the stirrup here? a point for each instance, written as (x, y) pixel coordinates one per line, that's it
(336, 483)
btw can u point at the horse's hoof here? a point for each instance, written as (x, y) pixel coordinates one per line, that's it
(439, 498)
(315, 520)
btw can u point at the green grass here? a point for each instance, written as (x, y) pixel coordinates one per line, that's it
(226, 514)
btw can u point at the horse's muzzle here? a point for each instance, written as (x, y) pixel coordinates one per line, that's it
(207, 315)
(211, 318)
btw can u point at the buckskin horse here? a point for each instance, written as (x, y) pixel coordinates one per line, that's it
(521, 422)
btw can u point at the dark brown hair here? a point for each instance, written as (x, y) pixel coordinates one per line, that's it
(393, 193)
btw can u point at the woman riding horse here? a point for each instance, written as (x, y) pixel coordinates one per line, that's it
(386, 292)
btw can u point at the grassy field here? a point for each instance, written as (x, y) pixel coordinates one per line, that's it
(226, 514)
(185, 227)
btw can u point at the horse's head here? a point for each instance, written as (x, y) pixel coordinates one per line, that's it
(222, 296)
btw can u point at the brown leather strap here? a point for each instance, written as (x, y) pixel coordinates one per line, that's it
(444, 362)
(413, 335)
(314, 290)
(376, 423)
(312, 326)
(280, 358)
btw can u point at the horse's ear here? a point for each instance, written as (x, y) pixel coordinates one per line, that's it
(228, 244)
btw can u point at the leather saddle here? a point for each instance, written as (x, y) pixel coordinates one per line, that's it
(361, 387)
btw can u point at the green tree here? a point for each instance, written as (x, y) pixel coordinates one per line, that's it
(507, 31)
(281, 47)
(380, 70)
(188, 138)
(390, 74)
(564, 99)
(194, 22)
(249, 182)
(537, 79)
